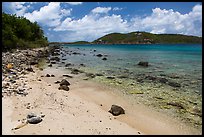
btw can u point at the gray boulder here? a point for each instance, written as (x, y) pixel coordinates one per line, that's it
(116, 110)
(64, 87)
(32, 118)
(64, 82)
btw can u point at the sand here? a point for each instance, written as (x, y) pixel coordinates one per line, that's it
(83, 110)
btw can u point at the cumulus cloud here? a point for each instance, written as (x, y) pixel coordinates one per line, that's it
(18, 8)
(101, 10)
(92, 26)
(49, 15)
(98, 23)
(169, 21)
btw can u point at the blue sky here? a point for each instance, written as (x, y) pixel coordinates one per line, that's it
(77, 21)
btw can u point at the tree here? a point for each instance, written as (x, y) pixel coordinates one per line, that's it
(18, 32)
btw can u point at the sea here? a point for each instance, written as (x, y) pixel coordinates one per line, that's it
(172, 81)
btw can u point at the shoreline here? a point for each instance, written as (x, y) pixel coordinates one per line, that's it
(79, 110)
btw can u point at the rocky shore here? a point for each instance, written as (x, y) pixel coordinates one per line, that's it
(48, 89)
(15, 65)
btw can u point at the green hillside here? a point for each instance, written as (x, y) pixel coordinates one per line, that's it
(18, 32)
(147, 38)
(80, 42)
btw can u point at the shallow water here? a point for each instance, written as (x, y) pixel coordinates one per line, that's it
(179, 63)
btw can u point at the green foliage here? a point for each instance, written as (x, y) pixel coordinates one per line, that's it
(147, 38)
(18, 32)
(80, 42)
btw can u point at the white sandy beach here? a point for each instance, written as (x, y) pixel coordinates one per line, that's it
(81, 110)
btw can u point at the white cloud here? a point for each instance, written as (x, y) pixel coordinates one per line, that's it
(117, 8)
(18, 8)
(101, 10)
(92, 26)
(32, 2)
(65, 12)
(95, 24)
(169, 21)
(49, 15)
(74, 3)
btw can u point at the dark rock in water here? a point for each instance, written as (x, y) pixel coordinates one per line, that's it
(174, 84)
(104, 58)
(67, 65)
(162, 74)
(150, 77)
(174, 76)
(99, 55)
(52, 75)
(158, 97)
(64, 82)
(176, 104)
(76, 71)
(116, 110)
(55, 54)
(140, 80)
(50, 65)
(99, 74)
(163, 80)
(82, 65)
(122, 76)
(144, 64)
(47, 75)
(55, 58)
(65, 75)
(76, 53)
(63, 59)
(109, 77)
(64, 87)
(53, 62)
(90, 75)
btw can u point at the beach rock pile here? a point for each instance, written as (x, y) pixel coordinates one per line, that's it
(54, 52)
(15, 65)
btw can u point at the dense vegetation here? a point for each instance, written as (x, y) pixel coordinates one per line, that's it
(20, 33)
(141, 38)
(147, 38)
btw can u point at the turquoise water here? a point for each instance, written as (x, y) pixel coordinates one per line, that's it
(178, 63)
(182, 60)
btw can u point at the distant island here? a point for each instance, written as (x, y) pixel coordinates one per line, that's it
(141, 38)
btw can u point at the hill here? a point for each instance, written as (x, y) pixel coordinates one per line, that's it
(147, 38)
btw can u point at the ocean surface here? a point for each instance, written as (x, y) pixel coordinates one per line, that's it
(174, 73)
